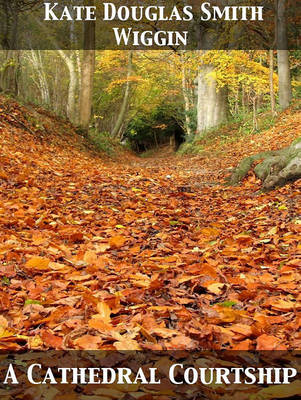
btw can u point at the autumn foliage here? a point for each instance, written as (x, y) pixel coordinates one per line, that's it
(142, 253)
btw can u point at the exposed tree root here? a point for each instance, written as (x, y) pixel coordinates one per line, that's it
(277, 168)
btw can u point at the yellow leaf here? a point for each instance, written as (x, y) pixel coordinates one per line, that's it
(216, 288)
(4, 333)
(35, 342)
(273, 231)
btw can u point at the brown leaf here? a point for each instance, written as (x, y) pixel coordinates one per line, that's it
(51, 340)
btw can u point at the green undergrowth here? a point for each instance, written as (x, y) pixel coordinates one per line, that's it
(239, 126)
(148, 153)
(104, 143)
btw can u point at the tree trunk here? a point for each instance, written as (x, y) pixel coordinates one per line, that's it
(9, 72)
(126, 97)
(212, 101)
(172, 142)
(243, 99)
(277, 168)
(271, 80)
(285, 88)
(187, 102)
(37, 62)
(88, 67)
(73, 84)
(255, 122)
(74, 81)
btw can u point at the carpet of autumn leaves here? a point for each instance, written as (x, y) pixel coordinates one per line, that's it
(142, 253)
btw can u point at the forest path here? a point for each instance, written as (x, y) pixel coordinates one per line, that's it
(190, 171)
(143, 253)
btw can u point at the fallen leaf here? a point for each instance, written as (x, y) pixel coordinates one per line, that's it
(38, 263)
(116, 242)
(269, 342)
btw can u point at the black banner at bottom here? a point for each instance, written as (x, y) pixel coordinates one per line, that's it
(106, 375)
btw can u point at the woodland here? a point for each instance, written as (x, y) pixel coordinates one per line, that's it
(150, 200)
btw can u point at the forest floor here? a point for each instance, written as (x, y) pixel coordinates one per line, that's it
(136, 253)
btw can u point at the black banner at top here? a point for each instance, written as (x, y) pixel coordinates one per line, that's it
(149, 24)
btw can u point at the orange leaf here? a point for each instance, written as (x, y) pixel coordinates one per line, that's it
(244, 345)
(104, 311)
(99, 324)
(51, 340)
(268, 342)
(244, 330)
(38, 263)
(284, 305)
(127, 345)
(116, 242)
(88, 342)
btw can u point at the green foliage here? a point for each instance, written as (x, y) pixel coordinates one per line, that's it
(192, 147)
(297, 94)
(5, 281)
(227, 303)
(148, 153)
(241, 124)
(103, 142)
(192, 114)
(149, 129)
(29, 301)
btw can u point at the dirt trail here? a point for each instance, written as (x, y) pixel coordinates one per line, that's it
(144, 253)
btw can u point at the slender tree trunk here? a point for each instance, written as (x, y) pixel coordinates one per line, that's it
(156, 139)
(172, 142)
(236, 104)
(243, 99)
(271, 79)
(37, 62)
(186, 98)
(79, 69)
(212, 101)
(285, 88)
(126, 97)
(73, 84)
(88, 68)
(255, 122)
